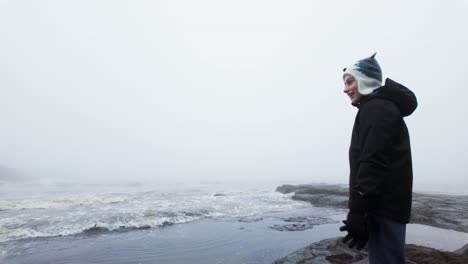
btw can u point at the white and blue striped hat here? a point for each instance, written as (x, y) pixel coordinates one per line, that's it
(368, 74)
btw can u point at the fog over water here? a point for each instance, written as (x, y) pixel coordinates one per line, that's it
(210, 91)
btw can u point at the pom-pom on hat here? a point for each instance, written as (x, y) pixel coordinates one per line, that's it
(367, 73)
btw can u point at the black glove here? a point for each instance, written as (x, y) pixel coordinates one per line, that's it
(357, 222)
(357, 226)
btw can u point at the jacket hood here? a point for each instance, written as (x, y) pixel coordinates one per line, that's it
(403, 97)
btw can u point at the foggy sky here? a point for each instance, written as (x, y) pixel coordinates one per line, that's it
(221, 90)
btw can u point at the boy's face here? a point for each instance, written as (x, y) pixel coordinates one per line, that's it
(351, 89)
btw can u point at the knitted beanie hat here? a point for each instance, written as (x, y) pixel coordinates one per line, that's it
(367, 73)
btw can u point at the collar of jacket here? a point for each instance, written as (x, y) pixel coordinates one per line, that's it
(404, 98)
(367, 98)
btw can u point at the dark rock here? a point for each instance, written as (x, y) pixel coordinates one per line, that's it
(301, 223)
(444, 211)
(286, 188)
(220, 194)
(420, 254)
(166, 223)
(318, 195)
(336, 252)
(292, 227)
(325, 251)
(463, 250)
(343, 258)
(296, 219)
(249, 220)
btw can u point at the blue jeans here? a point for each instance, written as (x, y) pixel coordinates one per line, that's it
(386, 241)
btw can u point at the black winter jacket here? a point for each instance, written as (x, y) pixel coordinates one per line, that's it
(380, 155)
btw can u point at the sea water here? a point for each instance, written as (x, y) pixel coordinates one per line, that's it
(151, 223)
(165, 223)
(61, 209)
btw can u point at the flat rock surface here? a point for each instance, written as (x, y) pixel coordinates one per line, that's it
(336, 252)
(325, 251)
(301, 223)
(444, 211)
(430, 213)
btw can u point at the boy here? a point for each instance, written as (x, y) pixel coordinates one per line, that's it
(381, 177)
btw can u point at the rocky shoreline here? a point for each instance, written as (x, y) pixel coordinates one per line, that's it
(442, 211)
(336, 252)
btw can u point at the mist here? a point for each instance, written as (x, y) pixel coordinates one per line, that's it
(210, 91)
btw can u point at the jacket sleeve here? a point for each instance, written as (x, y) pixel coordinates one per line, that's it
(380, 121)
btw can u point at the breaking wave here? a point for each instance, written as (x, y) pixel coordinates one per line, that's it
(96, 214)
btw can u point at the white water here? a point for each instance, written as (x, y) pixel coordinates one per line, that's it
(30, 210)
(42, 210)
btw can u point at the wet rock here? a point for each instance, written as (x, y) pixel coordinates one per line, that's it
(249, 219)
(292, 227)
(336, 252)
(318, 195)
(420, 254)
(325, 251)
(444, 211)
(301, 223)
(463, 250)
(166, 223)
(341, 258)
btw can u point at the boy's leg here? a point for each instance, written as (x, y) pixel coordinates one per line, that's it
(386, 241)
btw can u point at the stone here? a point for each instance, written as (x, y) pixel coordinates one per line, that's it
(443, 211)
(336, 252)
(301, 223)
(438, 210)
